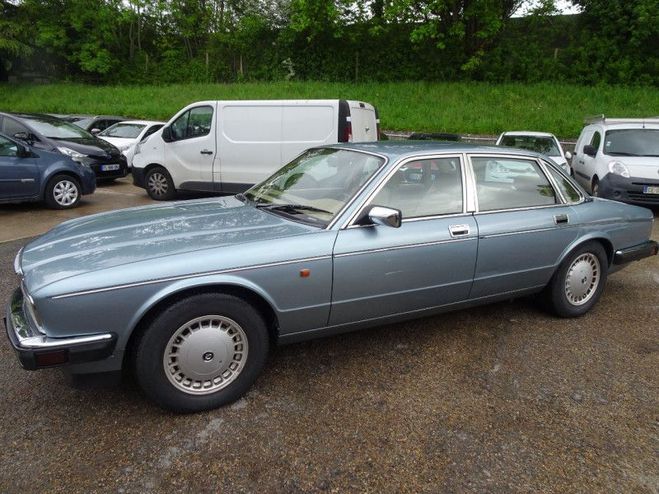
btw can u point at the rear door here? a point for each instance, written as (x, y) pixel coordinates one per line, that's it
(364, 122)
(523, 225)
(19, 176)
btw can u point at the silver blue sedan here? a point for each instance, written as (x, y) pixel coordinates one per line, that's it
(191, 295)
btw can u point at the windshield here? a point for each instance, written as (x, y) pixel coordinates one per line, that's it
(544, 145)
(124, 130)
(57, 129)
(632, 142)
(317, 185)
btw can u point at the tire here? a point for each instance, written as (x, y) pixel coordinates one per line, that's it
(201, 353)
(62, 192)
(159, 184)
(595, 188)
(579, 282)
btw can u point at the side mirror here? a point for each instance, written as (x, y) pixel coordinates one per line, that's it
(590, 150)
(167, 134)
(568, 155)
(380, 215)
(23, 136)
(95, 131)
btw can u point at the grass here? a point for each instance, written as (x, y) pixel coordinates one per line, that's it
(474, 108)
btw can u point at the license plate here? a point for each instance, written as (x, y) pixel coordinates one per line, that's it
(651, 189)
(109, 168)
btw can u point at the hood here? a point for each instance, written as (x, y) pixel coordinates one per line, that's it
(132, 235)
(90, 146)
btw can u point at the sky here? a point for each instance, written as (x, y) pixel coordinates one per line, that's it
(564, 7)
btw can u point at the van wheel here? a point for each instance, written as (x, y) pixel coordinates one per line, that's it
(62, 192)
(578, 284)
(202, 352)
(595, 188)
(159, 184)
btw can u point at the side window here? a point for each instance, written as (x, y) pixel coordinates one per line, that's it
(596, 140)
(424, 188)
(195, 122)
(7, 147)
(11, 127)
(567, 189)
(153, 129)
(508, 183)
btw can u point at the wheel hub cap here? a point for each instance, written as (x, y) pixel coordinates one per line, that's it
(582, 279)
(158, 183)
(205, 354)
(65, 193)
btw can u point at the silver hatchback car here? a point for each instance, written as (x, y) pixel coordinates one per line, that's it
(190, 295)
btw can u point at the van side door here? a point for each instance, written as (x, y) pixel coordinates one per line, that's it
(190, 153)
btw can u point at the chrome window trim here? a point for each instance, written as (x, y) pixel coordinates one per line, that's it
(405, 246)
(384, 164)
(511, 156)
(522, 232)
(367, 201)
(570, 180)
(188, 276)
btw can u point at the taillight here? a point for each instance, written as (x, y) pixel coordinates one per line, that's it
(347, 132)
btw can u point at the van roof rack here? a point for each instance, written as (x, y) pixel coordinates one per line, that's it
(614, 120)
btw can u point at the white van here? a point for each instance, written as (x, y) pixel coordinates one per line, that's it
(227, 146)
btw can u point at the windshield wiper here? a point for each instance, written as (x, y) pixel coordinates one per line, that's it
(292, 208)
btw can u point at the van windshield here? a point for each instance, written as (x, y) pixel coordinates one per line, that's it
(316, 186)
(632, 142)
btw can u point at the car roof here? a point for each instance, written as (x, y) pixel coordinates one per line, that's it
(530, 133)
(141, 122)
(394, 150)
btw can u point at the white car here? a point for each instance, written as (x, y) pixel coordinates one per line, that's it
(540, 142)
(127, 134)
(618, 158)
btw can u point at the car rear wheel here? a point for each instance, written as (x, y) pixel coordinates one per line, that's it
(159, 184)
(201, 353)
(62, 192)
(578, 284)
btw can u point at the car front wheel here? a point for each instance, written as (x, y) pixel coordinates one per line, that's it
(159, 184)
(201, 353)
(62, 192)
(578, 284)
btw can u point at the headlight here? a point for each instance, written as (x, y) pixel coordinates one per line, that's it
(17, 263)
(30, 308)
(74, 155)
(618, 168)
(124, 147)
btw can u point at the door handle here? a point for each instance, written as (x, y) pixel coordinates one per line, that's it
(561, 219)
(458, 230)
(206, 151)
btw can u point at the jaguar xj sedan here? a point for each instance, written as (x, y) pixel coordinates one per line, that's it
(190, 295)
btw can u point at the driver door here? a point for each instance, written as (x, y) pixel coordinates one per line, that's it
(428, 262)
(19, 176)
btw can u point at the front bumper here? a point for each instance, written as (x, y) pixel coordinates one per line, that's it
(138, 177)
(636, 253)
(630, 190)
(102, 173)
(36, 350)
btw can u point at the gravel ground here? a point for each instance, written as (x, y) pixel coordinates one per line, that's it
(503, 398)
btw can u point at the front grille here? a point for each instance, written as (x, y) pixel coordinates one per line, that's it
(645, 198)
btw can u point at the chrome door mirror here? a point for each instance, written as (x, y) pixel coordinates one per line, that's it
(379, 215)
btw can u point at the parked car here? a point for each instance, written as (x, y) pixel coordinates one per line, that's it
(126, 135)
(540, 142)
(618, 158)
(28, 174)
(48, 133)
(227, 146)
(96, 123)
(190, 295)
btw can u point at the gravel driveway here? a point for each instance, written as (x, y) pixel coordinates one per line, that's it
(503, 398)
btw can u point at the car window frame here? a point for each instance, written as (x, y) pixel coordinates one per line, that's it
(473, 185)
(187, 113)
(368, 200)
(546, 165)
